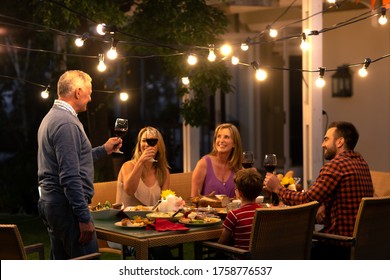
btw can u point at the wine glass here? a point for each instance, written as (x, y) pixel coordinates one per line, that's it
(120, 129)
(270, 161)
(248, 159)
(152, 138)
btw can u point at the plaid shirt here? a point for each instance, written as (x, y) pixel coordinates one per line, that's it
(340, 186)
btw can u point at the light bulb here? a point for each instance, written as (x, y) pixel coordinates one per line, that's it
(382, 20)
(101, 66)
(273, 33)
(320, 82)
(185, 80)
(211, 56)
(192, 59)
(235, 60)
(100, 29)
(304, 45)
(45, 94)
(261, 75)
(226, 50)
(123, 96)
(244, 47)
(79, 42)
(112, 54)
(363, 72)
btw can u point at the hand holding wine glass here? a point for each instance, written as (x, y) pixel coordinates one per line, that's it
(152, 138)
(120, 130)
(248, 159)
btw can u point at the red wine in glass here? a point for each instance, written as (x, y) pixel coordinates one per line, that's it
(270, 161)
(152, 138)
(248, 159)
(120, 132)
(247, 165)
(152, 141)
(120, 129)
(270, 167)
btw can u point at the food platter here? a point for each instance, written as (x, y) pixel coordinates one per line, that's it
(209, 221)
(164, 215)
(141, 211)
(130, 225)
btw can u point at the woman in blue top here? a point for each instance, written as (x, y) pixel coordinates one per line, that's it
(214, 172)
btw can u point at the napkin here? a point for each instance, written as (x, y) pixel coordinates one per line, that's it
(164, 225)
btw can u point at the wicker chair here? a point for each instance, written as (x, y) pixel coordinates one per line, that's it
(12, 247)
(279, 233)
(370, 239)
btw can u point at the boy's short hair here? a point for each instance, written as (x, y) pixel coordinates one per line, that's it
(249, 182)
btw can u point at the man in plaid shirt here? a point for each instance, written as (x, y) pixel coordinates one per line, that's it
(340, 186)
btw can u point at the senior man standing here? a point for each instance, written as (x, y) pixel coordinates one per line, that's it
(65, 169)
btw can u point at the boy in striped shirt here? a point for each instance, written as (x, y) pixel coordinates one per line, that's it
(238, 223)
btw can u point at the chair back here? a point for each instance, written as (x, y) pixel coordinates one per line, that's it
(381, 183)
(11, 243)
(283, 233)
(104, 191)
(181, 184)
(372, 229)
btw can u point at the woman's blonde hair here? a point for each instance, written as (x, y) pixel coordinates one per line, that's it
(235, 157)
(162, 164)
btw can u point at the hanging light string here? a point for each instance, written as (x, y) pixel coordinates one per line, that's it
(234, 59)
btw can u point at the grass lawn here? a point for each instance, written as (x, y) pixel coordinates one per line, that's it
(33, 231)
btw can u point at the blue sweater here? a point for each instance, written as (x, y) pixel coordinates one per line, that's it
(65, 162)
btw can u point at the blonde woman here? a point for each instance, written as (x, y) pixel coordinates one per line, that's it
(214, 172)
(141, 179)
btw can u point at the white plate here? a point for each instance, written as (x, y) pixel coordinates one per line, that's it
(165, 215)
(206, 222)
(132, 211)
(130, 225)
(105, 214)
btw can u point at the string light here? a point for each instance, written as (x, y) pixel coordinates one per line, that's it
(112, 54)
(235, 60)
(101, 29)
(320, 82)
(226, 50)
(80, 40)
(123, 96)
(272, 32)
(185, 81)
(260, 74)
(245, 45)
(383, 19)
(304, 44)
(363, 71)
(211, 57)
(192, 59)
(45, 93)
(101, 66)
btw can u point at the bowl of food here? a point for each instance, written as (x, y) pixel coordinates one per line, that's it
(105, 211)
(165, 215)
(139, 211)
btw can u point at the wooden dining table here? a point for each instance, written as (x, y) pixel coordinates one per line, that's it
(143, 239)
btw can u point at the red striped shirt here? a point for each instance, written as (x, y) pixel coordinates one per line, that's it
(239, 222)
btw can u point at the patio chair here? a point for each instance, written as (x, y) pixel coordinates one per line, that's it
(12, 247)
(370, 239)
(278, 233)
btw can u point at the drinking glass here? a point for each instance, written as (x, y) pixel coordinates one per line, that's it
(270, 161)
(248, 159)
(120, 129)
(152, 138)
